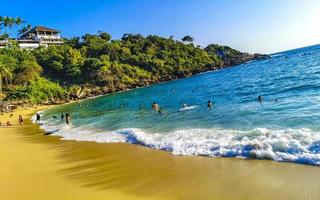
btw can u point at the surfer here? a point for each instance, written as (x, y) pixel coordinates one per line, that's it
(184, 105)
(67, 118)
(38, 118)
(260, 98)
(20, 120)
(209, 104)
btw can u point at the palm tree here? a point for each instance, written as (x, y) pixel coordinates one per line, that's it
(1, 22)
(18, 21)
(10, 22)
(24, 29)
(5, 74)
(5, 71)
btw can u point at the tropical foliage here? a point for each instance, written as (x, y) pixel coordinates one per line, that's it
(96, 61)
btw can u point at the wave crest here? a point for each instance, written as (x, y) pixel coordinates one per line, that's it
(286, 145)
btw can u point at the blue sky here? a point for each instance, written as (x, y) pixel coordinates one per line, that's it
(249, 25)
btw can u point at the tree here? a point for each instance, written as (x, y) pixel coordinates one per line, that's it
(24, 29)
(9, 22)
(187, 39)
(6, 66)
(1, 22)
(18, 21)
(105, 36)
(73, 42)
(27, 70)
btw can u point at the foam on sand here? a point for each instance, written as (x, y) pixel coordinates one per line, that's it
(287, 145)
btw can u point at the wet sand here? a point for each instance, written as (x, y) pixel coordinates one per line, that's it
(34, 166)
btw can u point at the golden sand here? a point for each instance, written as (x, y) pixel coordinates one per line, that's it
(34, 166)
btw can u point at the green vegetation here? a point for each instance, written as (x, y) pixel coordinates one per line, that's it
(95, 64)
(7, 23)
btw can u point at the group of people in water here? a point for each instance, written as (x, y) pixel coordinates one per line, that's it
(155, 106)
(63, 116)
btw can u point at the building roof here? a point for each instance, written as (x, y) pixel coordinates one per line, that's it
(39, 28)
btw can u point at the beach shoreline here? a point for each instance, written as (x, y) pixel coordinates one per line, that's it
(34, 166)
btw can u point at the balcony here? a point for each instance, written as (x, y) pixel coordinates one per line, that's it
(51, 41)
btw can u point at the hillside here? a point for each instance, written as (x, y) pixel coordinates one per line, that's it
(95, 64)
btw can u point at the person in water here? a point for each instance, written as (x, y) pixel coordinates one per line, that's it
(62, 116)
(184, 105)
(155, 106)
(260, 98)
(68, 118)
(209, 104)
(38, 118)
(20, 120)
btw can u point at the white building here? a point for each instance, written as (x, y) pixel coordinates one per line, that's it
(3, 43)
(39, 36)
(35, 37)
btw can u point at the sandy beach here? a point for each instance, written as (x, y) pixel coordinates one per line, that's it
(34, 166)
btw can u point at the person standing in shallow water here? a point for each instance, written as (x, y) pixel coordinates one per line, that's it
(68, 118)
(38, 118)
(62, 116)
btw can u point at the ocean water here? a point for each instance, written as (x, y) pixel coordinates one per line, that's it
(285, 126)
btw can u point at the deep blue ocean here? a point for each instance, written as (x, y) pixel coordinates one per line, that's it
(283, 127)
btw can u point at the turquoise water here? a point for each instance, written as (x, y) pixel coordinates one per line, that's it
(284, 127)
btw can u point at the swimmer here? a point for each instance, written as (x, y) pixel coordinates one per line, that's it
(155, 106)
(209, 104)
(184, 105)
(260, 98)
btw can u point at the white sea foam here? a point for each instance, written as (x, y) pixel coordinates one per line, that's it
(287, 145)
(188, 108)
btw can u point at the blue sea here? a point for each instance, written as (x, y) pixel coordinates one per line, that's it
(285, 126)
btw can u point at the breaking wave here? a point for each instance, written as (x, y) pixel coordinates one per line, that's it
(284, 145)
